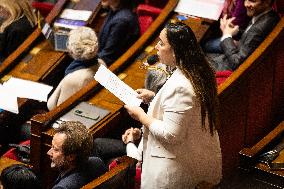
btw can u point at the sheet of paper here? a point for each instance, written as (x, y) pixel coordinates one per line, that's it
(8, 101)
(210, 9)
(28, 89)
(112, 83)
(72, 14)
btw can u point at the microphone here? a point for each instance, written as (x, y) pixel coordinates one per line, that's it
(152, 59)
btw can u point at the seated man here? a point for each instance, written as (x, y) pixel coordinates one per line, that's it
(235, 52)
(70, 151)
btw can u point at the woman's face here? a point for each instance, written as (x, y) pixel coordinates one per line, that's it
(165, 51)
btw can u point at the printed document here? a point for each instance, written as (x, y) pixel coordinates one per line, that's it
(117, 87)
(14, 88)
(210, 9)
(73, 14)
(28, 89)
(8, 100)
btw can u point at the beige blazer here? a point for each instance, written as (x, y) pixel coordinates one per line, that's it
(177, 153)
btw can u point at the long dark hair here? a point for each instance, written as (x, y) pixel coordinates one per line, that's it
(192, 62)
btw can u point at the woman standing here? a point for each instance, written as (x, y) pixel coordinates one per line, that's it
(18, 21)
(180, 143)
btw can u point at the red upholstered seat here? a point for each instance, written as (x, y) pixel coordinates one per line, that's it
(115, 162)
(43, 7)
(146, 15)
(221, 76)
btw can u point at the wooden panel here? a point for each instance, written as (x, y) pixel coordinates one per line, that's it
(278, 84)
(260, 90)
(233, 122)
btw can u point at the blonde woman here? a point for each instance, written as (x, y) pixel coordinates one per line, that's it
(83, 47)
(17, 23)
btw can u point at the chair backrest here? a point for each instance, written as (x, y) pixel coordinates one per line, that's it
(95, 167)
(146, 15)
(43, 7)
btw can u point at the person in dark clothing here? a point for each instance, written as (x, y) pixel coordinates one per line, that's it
(17, 24)
(119, 31)
(71, 147)
(234, 53)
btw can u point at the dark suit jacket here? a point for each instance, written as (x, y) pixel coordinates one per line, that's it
(119, 32)
(79, 177)
(13, 36)
(234, 55)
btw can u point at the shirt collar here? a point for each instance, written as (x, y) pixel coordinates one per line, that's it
(253, 20)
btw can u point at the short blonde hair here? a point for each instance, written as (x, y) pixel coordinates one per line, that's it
(82, 43)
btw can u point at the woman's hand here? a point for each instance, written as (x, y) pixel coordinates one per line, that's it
(138, 114)
(145, 95)
(131, 135)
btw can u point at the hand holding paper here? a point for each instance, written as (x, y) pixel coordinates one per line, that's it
(112, 83)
